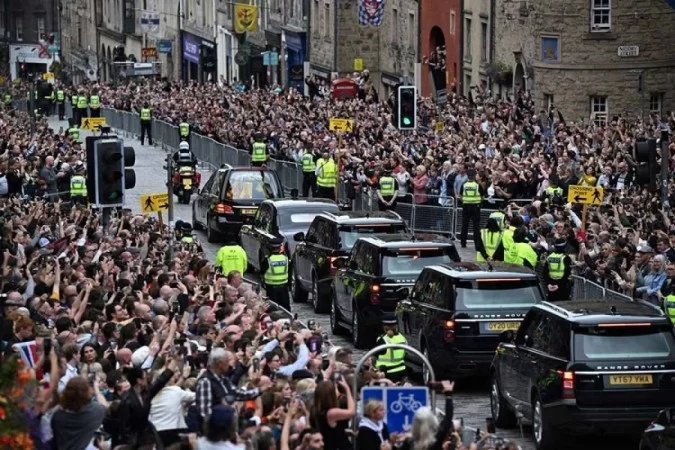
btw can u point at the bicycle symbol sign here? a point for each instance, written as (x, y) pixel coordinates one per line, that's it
(400, 402)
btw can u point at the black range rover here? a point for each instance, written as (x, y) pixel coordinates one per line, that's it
(455, 313)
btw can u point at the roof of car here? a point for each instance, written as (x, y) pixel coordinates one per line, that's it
(363, 217)
(228, 167)
(593, 312)
(300, 202)
(407, 240)
(477, 270)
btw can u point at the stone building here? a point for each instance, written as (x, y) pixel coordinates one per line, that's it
(440, 25)
(339, 45)
(593, 59)
(476, 40)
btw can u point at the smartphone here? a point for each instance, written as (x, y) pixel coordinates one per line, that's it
(209, 344)
(47, 345)
(337, 377)
(311, 325)
(490, 425)
(256, 364)
(314, 344)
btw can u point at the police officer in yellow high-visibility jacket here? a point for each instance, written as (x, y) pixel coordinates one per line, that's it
(258, 152)
(557, 272)
(386, 190)
(95, 105)
(391, 361)
(489, 243)
(308, 161)
(82, 105)
(553, 194)
(61, 103)
(184, 131)
(326, 173)
(78, 186)
(146, 123)
(521, 252)
(669, 304)
(472, 198)
(73, 107)
(74, 133)
(275, 274)
(231, 256)
(515, 221)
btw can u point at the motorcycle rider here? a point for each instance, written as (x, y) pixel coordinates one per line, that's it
(184, 156)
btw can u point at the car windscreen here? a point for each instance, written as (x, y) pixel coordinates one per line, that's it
(303, 217)
(252, 185)
(349, 234)
(405, 261)
(618, 342)
(497, 294)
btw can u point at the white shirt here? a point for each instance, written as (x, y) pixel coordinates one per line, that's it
(166, 409)
(204, 444)
(402, 179)
(71, 372)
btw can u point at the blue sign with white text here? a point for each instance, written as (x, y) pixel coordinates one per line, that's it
(400, 403)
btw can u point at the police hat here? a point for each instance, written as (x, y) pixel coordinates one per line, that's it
(389, 319)
(185, 226)
(275, 244)
(560, 243)
(471, 173)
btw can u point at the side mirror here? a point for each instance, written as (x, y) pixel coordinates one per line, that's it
(299, 236)
(506, 336)
(341, 262)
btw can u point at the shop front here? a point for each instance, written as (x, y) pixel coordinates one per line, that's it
(272, 45)
(296, 49)
(190, 57)
(29, 59)
(200, 60)
(208, 67)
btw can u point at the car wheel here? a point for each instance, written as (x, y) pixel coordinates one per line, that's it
(545, 436)
(501, 413)
(195, 224)
(335, 326)
(297, 292)
(320, 305)
(358, 333)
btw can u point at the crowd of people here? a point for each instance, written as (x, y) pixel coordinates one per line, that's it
(130, 348)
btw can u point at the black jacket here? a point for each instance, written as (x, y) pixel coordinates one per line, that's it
(368, 438)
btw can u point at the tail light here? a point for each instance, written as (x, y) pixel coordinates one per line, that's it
(331, 265)
(568, 384)
(198, 177)
(222, 208)
(449, 330)
(375, 294)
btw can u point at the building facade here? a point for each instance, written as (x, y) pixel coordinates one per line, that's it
(440, 27)
(476, 44)
(592, 59)
(345, 37)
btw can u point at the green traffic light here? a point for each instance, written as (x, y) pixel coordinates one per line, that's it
(406, 121)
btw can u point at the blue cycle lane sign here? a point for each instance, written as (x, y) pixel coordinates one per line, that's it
(400, 404)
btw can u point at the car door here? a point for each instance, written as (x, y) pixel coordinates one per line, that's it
(214, 194)
(361, 273)
(518, 382)
(202, 199)
(248, 236)
(303, 251)
(343, 281)
(417, 309)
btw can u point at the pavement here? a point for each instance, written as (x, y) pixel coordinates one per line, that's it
(471, 399)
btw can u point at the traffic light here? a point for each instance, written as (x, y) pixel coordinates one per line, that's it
(406, 108)
(647, 171)
(107, 174)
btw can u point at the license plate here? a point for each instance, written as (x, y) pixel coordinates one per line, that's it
(248, 212)
(629, 380)
(187, 183)
(498, 327)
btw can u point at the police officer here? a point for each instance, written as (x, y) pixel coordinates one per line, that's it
(61, 103)
(489, 243)
(184, 131)
(553, 194)
(258, 151)
(500, 217)
(521, 252)
(184, 232)
(275, 274)
(326, 173)
(82, 105)
(73, 106)
(386, 190)
(146, 123)
(308, 161)
(391, 361)
(7, 99)
(557, 271)
(74, 132)
(94, 105)
(78, 186)
(515, 221)
(669, 304)
(471, 199)
(184, 156)
(231, 256)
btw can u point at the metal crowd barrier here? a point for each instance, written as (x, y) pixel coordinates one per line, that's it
(584, 289)
(289, 315)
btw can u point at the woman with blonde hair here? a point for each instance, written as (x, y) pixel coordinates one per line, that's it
(373, 432)
(427, 433)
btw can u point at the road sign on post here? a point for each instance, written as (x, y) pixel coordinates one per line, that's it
(400, 404)
(586, 195)
(155, 202)
(346, 125)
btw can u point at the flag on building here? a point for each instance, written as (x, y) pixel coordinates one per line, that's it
(245, 18)
(28, 352)
(371, 12)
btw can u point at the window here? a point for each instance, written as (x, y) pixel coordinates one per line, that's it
(655, 102)
(316, 16)
(291, 9)
(467, 83)
(129, 17)
(623, 343)
(407, 262)
(2, 19)
(483, 41)
(19, 28)
(296, 218)
(601, 15)
(548, 102)
(394, 26)
(475, 295)
(40, 24)
(467, 39)
(599, 110)
(326, 19)
(452, 22)
(349, 234)
(411, 30)
(251, 185)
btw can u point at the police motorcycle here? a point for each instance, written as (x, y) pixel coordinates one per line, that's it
(186, 178)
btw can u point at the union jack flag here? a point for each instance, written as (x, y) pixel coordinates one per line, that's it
(371, 12)
(28, 352)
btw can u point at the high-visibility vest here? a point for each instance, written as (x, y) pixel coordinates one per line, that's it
(95, 101)
(387, 186)
(499, 217)
(78, 186)
(554, 192)
(507, 239)
(327, 172)
(277, 272)
(60, 95)
(556, 265)
(669, 307)
(231, 257)
(82, 102)
(74, 99)
(471, 193)
(308, 164)
(491, 240)
(187, 239)
(8, 99)
(393, 360)
(259, 152)
(521, 252)
(184, 129)
(145, 114)
(74, 133)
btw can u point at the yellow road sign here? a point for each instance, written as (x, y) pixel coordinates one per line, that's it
(336, 124)
(92, 123)
(154, 202)
(358, 64)
(48, 76)
(587, 195)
